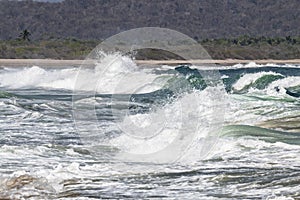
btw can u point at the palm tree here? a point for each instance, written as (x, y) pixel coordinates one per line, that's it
(24, 35)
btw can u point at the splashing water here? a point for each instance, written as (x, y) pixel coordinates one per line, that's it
(255, 155)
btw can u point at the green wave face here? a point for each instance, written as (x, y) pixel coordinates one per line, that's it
(261, 83)
(264, 81)
(197, 82)
(293, 91)
(4, 95)
(261, 133)
(180, 83)
(187, 79)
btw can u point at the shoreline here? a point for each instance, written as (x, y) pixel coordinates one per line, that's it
(78, 63)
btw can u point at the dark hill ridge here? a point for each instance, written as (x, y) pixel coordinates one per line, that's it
(98, 19)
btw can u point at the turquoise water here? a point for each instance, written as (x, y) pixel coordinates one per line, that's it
(50, 147)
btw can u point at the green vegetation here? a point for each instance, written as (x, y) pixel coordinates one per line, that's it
(54, 48)
(246, 47)
(243, 47)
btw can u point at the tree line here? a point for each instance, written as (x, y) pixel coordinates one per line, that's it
(99, 19)
(246, 40)
(242, 47)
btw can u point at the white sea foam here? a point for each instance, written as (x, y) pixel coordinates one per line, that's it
(117, 74)
(255, 65)
(281, 86)
(194, 115)
(61, 170)
(247, 79)
(35, 77)
(247, 65)
(287, 82)
(109, 76)
(112, 74)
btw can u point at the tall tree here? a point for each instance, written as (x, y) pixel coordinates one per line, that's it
(24, 35)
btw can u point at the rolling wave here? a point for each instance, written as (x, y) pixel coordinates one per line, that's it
(251, 152)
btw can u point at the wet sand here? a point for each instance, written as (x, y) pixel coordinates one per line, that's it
(78, 63)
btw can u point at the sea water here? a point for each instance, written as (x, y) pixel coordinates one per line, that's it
(48, 151)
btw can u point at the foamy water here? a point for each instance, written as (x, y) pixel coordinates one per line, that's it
(164, 133)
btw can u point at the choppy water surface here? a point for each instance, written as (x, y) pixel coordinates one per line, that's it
(43, 155)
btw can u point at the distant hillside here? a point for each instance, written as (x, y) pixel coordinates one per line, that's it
(200, 19)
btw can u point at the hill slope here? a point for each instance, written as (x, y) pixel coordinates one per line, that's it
(98, 19)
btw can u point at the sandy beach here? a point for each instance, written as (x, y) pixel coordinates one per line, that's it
(77, 63)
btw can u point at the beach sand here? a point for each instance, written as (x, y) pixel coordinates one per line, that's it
(77, 63)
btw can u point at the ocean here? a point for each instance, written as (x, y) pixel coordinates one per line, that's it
(161, 132)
